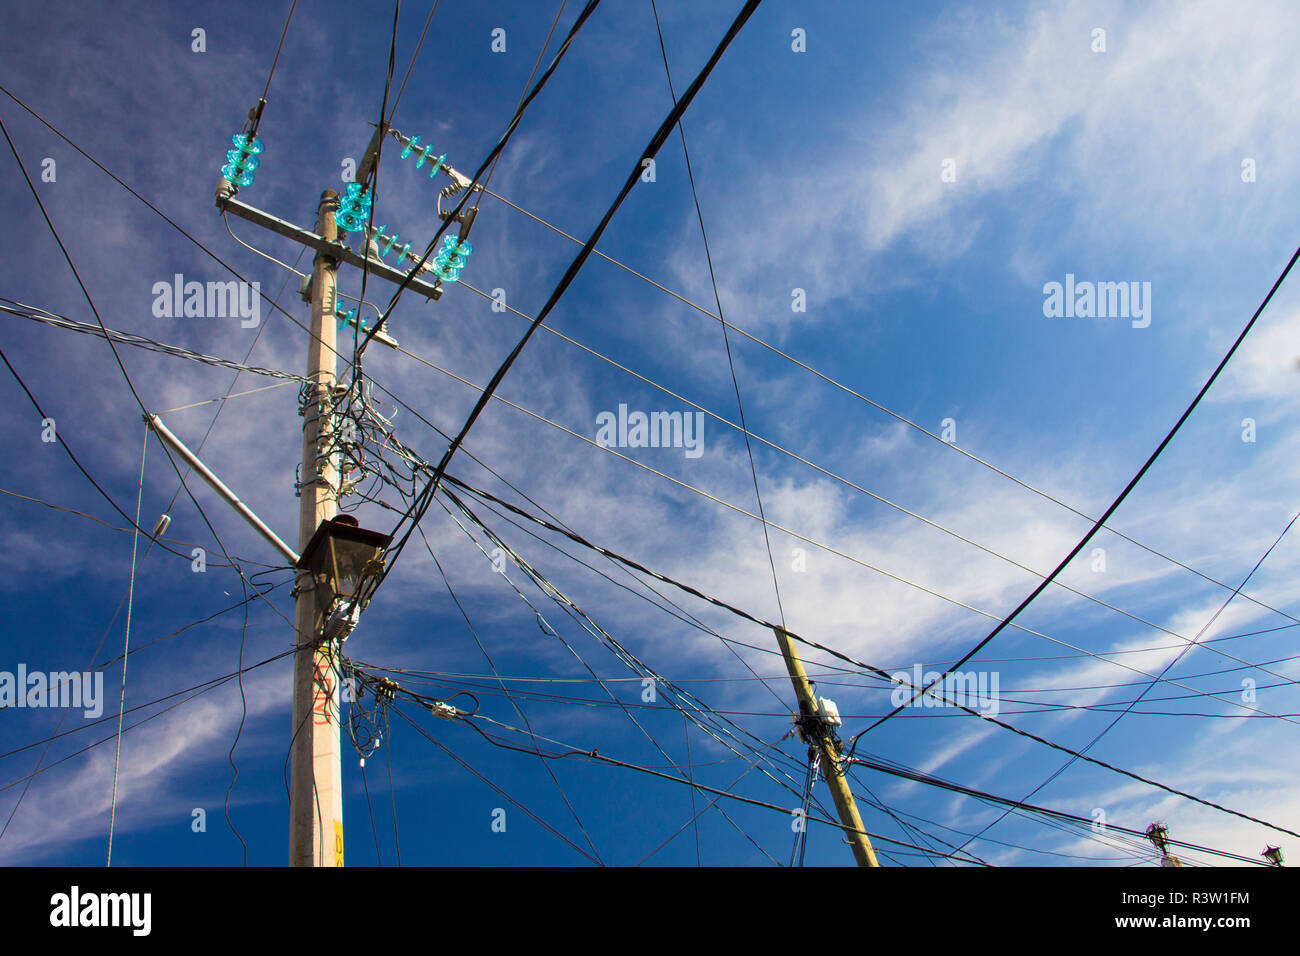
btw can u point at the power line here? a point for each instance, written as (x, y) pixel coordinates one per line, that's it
(726, 339)
(1097, 525)
(876, 670)
(138, 341)
(578, 539)
(126, 649)
(587, 11)
(652, 148)
(1151, 684)
(830, 474)
(414, 56)
(847, 390)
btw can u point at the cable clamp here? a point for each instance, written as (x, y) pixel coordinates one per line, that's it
(444, 710)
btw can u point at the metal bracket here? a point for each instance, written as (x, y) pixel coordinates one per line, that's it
(335, 251)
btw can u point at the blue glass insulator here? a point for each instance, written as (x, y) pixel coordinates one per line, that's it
(410, 145)
(237, 176)
(389, 246)
(242, 160)
(240, 140)
(437, 165)
(353, 191)
(402, 253)
(345, 318)
(455, 246)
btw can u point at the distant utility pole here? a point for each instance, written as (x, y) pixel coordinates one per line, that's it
(1158, 834)
(816, 725)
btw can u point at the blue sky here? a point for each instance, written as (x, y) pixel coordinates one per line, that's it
(820, 171)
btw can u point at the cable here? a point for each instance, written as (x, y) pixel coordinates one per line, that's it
(113, 348)
(171, 222)
(76, 461)
(1097, 525)
(597, 756)
(201, 688)
(784, 451)
(257, 117)
(726, 339)
(452, 754)
(931, 780)
(138, 341)
(849, 391)
(414, 56)
(518, 709)
(527, 83)
(126, 650)
(578, 539)
(656, 141)
(876, 670)
(392, 794)
(1151, 684)
(587, 11)
(105, 524)
(371, 810)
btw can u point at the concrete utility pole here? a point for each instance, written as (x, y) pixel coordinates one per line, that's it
(820, 735)
(316, 799)
(316, 782)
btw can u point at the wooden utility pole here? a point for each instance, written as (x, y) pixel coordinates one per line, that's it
(820, 735)
(316, 784)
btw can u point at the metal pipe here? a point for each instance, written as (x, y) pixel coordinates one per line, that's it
(217, 485)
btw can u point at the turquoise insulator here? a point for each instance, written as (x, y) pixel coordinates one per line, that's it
(237, 176)
(240, 140)
(242, 160)
(410, 145)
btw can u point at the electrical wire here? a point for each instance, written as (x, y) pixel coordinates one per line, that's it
(1114, 505)
(652, 148)
(126, 649)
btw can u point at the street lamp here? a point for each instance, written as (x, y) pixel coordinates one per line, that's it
(342, 557)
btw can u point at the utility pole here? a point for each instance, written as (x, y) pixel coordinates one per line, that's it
(818, 730)
(316, 782)
(1158, 834)
(323, 618)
